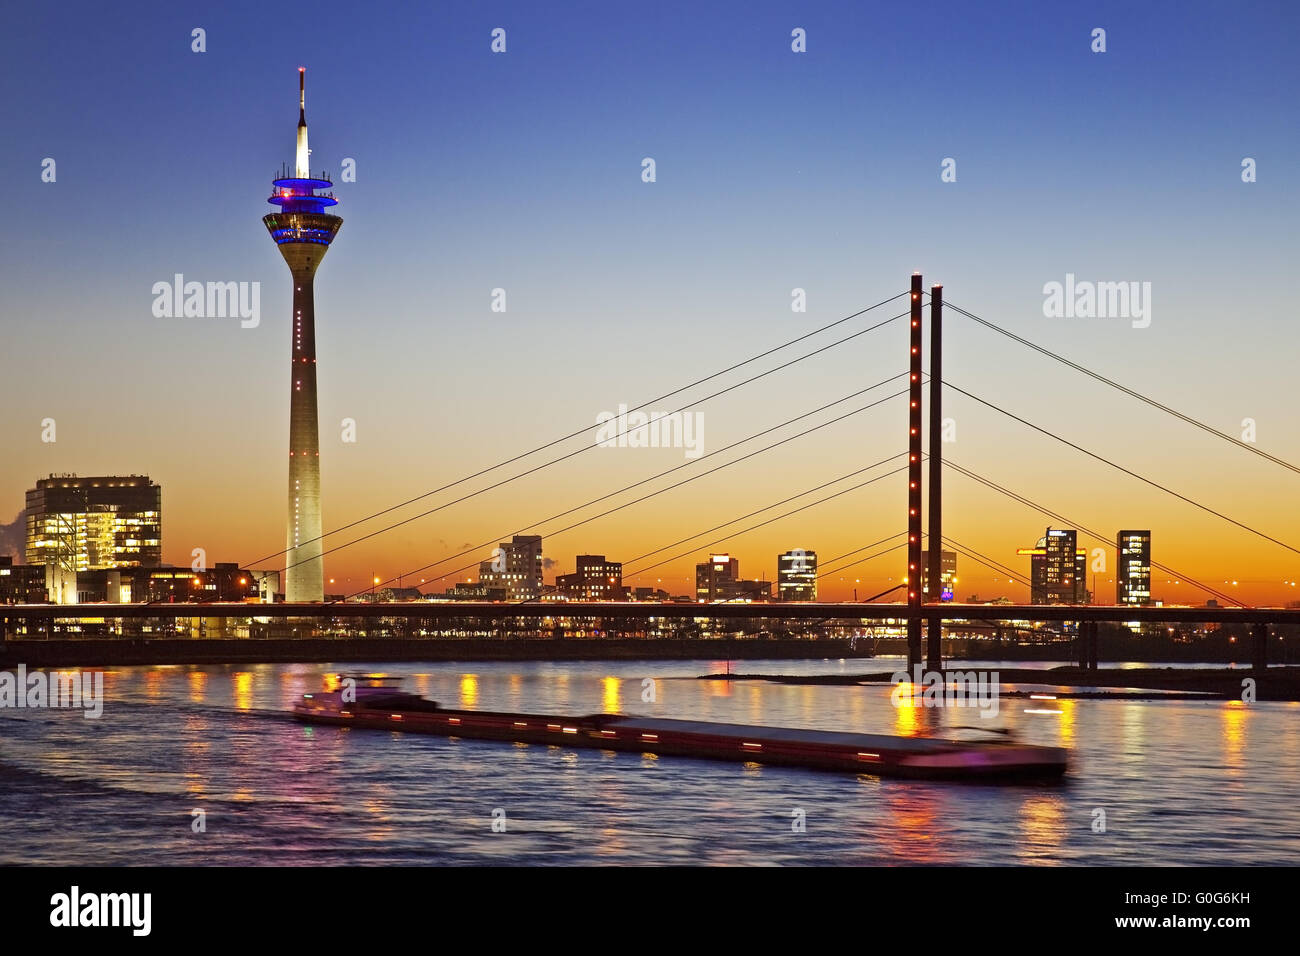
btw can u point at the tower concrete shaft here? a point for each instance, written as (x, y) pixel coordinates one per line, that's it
(305, 575)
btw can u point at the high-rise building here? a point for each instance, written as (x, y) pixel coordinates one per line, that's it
(718, 579)
(796, 575)
(594, 580)
(1133, 567)
(303, 231)
(1058, 569)
(712, 576)
(947, 574)
(88, 524)
(517, 566)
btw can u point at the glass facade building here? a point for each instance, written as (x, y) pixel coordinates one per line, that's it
(796, 575)
(947, 574)
(1133, 567)
(88, 524)
(1058, 569)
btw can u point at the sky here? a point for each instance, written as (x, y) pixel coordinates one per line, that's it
(775, 170)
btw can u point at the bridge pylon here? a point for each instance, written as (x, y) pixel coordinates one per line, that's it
(934, 566)
(914, 420)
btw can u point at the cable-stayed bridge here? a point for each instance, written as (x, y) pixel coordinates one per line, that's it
(924, 389)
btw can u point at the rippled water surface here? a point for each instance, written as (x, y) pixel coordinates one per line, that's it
(1179, 782)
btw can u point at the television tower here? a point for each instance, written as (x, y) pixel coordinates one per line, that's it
(303, 232)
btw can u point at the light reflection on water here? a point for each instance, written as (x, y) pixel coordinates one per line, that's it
(611, 701)
(1180, 781)
(469, 691)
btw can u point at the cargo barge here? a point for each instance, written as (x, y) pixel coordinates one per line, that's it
(385, 707)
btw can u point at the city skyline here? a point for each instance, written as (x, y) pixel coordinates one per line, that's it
(758, 193)
(64, 539)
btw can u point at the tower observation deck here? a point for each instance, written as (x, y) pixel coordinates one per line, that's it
(303, 231)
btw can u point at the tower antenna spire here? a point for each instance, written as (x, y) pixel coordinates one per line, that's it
(302, 160)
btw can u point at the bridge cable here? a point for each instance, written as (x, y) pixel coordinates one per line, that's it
(581, 431)
(1254, 450)
(587, 504)
(585, 448)
(887, 590)
(1091, 533)
(813, 504)
(847, 554)
(870, 557)
(1134, 474)
(686, 553)
(991, 563)
(776, 504)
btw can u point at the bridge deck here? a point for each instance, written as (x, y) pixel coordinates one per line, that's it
(802, 611)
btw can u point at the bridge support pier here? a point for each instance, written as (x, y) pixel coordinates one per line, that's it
(1086, 645)
(934, 644)
(1260, 648)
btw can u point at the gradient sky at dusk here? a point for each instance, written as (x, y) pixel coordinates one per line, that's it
(775, 170)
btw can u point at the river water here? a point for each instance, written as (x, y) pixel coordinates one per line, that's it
(1178, 781)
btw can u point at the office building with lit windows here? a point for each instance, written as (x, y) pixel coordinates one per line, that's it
(1057, 569)
(1133, 567)
(594, 580)
(21, 583)
(715, 575)
(947, 574)
(224, 582)
(796, 575)
(90, 524)
(718, 579)
(516, 565)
